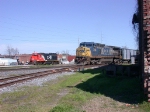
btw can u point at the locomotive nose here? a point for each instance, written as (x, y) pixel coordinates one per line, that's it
(83, 51)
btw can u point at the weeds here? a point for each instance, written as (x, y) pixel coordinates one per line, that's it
(73, 93)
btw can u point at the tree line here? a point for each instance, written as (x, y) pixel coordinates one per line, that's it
(12, 51)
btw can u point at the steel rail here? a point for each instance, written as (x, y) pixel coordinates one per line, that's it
(21, 78)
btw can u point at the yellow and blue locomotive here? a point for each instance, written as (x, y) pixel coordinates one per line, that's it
(96, 53)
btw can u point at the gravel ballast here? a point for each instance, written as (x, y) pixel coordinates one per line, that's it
(4, 74)
(36, 82)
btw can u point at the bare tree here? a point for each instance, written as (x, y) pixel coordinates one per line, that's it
(15, 51)
(11, 51)
(65, 52)
(8, 50)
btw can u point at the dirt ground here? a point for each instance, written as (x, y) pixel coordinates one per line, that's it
(106, 104)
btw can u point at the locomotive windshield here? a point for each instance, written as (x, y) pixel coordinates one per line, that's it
(82, 45)
(86, 45)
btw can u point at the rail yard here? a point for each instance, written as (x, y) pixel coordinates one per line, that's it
(23, 82)
(99, 77)
(22, 75)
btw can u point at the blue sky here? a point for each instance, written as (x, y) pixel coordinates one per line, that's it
(58, 25)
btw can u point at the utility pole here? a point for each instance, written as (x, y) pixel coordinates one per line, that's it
(78, 41)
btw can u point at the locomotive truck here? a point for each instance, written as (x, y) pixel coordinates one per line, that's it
(96, 53)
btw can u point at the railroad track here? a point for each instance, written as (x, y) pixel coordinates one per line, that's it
(3, 69)
(4, 82)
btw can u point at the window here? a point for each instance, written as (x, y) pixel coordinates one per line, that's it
(82, 45)
(88, 45)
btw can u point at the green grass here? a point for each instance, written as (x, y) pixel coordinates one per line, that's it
(65, 108)
(71, 93)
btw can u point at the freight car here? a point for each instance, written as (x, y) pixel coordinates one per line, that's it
(44, 58)
(96, 53)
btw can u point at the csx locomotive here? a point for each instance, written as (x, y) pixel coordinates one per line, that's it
(96, 53)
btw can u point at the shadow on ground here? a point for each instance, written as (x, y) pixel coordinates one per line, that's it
(120, 88)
